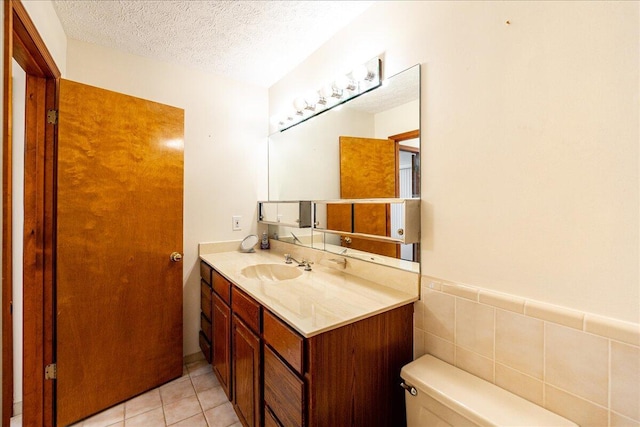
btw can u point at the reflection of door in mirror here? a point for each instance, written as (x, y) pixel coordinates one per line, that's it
(368, 169)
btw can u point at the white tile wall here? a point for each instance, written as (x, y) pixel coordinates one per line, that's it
(582, 366)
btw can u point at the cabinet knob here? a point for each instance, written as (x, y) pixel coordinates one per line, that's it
(175, 257)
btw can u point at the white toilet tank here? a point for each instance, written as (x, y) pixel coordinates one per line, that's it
(448, 396)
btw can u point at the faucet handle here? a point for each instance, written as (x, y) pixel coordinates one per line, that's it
(287, 258)
(307, 265)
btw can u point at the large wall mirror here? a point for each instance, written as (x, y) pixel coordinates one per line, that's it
(366, 148)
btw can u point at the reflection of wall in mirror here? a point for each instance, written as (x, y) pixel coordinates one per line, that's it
(304, 160)
(400, 119)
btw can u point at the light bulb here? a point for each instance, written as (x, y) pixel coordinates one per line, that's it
(311, 99)
(299, 104)
(360, 73)
(341, 83)
(330, 91)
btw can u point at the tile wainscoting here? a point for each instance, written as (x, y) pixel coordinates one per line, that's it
(581, 366)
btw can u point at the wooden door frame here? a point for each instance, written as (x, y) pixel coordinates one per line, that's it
(412, 134)
(23, 43)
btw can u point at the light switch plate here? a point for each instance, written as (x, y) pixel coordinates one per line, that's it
(236, 223)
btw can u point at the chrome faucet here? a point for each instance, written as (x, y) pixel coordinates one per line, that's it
(288, 259)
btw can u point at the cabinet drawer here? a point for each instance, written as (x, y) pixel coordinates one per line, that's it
(283, 390)
(205, 326)
(205, 299)
(222, 287)
(287, 343)
(247, 309)
(205, 346)
(205, 272)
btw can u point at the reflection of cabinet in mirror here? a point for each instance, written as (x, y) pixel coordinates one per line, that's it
(290, 213)
(387, 220)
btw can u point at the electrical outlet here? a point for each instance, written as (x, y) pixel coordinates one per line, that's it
(235, 221)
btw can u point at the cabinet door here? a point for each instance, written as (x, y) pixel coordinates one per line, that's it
(289, 213)
(268, 212)
(222, 343)
(247, 396)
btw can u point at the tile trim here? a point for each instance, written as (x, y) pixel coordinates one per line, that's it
(618, 330)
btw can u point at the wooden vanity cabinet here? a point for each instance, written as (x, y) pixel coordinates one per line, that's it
(215, 324)
(206, 293)
(221, 325)
(349, 376)
(246, 356)
(221, 349)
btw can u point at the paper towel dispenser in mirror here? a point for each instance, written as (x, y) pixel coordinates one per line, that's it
(386, 220)
(290, 213)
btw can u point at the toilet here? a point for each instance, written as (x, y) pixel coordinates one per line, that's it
(439, 395)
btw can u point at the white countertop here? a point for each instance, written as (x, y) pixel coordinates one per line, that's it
(316, 301)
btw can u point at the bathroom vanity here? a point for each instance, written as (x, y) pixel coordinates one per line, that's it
(304, 348)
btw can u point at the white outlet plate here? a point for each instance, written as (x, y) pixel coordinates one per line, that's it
(236, 223)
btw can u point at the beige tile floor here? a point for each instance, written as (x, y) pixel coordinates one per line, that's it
(194, 400)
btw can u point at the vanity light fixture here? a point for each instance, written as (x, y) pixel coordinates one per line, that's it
(361, 79)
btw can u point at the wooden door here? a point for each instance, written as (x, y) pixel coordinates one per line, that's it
(119, 217)
(369, 169)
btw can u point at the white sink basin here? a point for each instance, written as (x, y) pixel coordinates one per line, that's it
(271, 272)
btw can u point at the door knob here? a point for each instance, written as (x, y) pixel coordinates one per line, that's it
(175, 257)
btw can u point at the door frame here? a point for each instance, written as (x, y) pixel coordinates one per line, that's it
(398, 138)
(23, 43)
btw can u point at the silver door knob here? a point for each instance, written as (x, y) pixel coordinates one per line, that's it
(175, 257)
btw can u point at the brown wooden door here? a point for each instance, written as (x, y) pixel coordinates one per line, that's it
(119, 217)
(369, 169)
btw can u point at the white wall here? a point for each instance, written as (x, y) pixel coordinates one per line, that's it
(19, 83)
(529, 140)
(226, 125)
(50, 29)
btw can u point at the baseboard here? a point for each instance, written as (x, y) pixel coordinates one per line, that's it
(195, 357)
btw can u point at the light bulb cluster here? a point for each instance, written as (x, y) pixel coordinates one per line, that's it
(361, 79)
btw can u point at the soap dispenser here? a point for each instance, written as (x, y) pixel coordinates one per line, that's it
(264, 244)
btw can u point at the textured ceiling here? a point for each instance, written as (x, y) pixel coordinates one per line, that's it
(253, 41)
